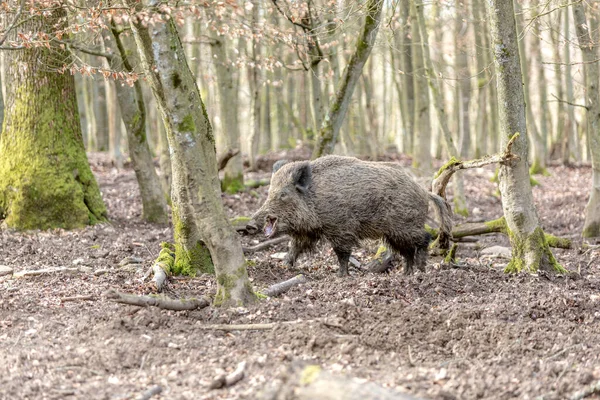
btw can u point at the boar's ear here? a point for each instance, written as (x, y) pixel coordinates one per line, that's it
(302, 177)
(278, 164)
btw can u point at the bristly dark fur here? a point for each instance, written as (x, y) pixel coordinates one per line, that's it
(345, 200)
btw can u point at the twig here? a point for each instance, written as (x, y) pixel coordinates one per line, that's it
(154, 390)
(77, 298)
(231, 379)
(282, 287)
(265, 245)
(164, 303)
(239, 327)
(23, 274)
(14, 21)
(568, 102)
(225, 157)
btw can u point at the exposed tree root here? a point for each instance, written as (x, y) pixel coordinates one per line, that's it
(265, 245)
(231, 379)
(164, 303)
(224, 158)
(282, 287)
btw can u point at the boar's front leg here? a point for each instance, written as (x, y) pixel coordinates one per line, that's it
(297, 247)
(343, 256)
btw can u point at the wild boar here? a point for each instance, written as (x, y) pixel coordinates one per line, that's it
(345, 200)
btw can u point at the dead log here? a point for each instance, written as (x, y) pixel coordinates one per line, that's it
(229, 380)
(282, 287)
(225, 157)
(265, 245)
(310, 382)
(162, 302)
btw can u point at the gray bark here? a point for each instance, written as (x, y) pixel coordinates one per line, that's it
(530, 250)
(196, 185)
(133, 112)
(589, 49)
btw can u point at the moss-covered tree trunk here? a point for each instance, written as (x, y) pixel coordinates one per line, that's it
(328, 134)
(196, 187)
(589, 49)
(45, 178)
(228, 87)
(530, 250)
(133, 113)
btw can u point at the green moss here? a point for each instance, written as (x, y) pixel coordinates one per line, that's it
(458, 209)
(187, 125)
(452, 161)
(45, 178)
(166, 258)
(432, 231)
(261, 295)
(533, 181)
(534, 244)
(591, 230)
(239, 220)
(309, 374)
(495, 178)
(232, 184)
(537, 169)
(250, 263)
(497, 225)
(381, 250)
(451, 255)
(190, 258)
(226, 283)
(558, 242)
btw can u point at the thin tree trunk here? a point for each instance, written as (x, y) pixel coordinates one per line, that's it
(589, 49)
(536, 52)
(560, 141)
(464, 76)
(328, 134)
(45, 178)
(530, 250)
(574, 147)
(539, 157)
(196, 185)
(490, 77)
(422, 135)
(228, 87)
(481, 127)
(133, 112)
(254, 78)
(407, 95)
(438, 100)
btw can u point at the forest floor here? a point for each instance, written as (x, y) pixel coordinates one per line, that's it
(455, 332)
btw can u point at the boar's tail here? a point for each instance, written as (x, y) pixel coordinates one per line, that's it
(443, 212)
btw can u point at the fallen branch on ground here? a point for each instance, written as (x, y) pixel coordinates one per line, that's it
(231, 379)
(282, 287)
(256, 183)
(164, 303)
(225, 157)
(238, 327)
(265, 245)
(38, 272)
(77, 298)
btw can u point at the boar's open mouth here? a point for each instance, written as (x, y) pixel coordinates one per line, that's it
(270, 226)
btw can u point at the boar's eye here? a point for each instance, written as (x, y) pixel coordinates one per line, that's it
(284, 195)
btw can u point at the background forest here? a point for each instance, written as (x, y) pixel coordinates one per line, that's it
(139, 138)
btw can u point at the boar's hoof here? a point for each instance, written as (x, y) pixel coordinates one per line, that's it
(252, 227)
(342, 272)
(289, 261)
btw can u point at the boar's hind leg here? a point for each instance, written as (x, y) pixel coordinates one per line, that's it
(343, 256)
(414, 250)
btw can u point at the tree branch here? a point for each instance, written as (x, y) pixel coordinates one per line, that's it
(12, 24)
(164, 303)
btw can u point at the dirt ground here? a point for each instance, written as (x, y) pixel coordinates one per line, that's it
(462, 332)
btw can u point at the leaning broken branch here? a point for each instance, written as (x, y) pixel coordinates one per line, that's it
(438, 186)
(164, 303)
(225, 157)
